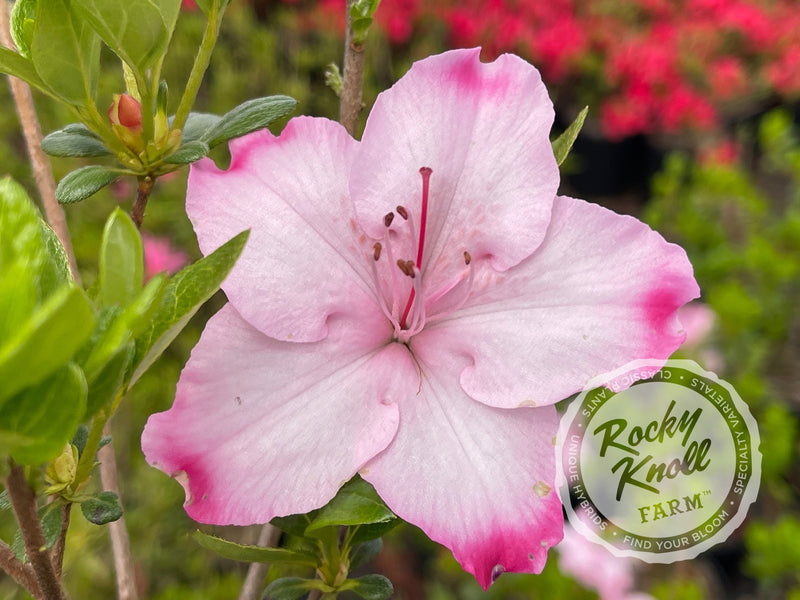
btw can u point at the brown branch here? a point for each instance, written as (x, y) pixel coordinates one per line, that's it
(120, 543)
(142, 194)
(21, 573)
(350, 103)
(39, 161)
(254, 582)
(23, 501)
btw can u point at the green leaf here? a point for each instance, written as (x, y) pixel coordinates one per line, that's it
(121, 261)
(44, 417)
(17, 65)
(45, 341)
(188, 153)
(65, 52)
(104, 386)
(563, 144)
(5, 501)
(80, 438)
(356, 503)
(183, 296)
(370, 587)
(293, 524)
(197, 125)
(23, 15)
(138, 31)
(74, 143)
(249, 116)
(366, 533)
(54, 271)
(258, 554)
(101, 508)
(82, 183)
(290, 588)
(361, 554)
(123, 326)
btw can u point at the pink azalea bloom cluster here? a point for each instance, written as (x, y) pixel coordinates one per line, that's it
(646, 65)
(596, 568)
(160, 256)
(409, 307)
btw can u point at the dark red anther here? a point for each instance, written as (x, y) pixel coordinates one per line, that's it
(401, 210)
(376, 251)
(388, 218)
(407, 267)
(467, 257)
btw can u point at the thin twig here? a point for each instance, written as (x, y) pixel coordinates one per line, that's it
(254, 582)
(120, 543)
(20, 572)
(23, 501)
(39, 161)
(352, 79)
(58, 547)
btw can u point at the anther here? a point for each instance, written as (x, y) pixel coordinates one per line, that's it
(401, 210)
(407, 267)
(387, 220)
(376, 251)
(467, 257)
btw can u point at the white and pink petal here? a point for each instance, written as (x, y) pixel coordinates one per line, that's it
(602, 290)
(478, 480)
(306, 258)
(262, 428)
(483, 128)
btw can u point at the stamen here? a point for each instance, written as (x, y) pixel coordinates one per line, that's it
(407, 267)
(467, 258)
(376, 251)
(381, 297)
(388, 218)
(426, 179)
(401, 210)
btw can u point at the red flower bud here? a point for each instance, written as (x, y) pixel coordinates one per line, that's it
(125, 111)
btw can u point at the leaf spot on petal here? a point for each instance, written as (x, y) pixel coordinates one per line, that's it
(544, 544)
(541, 489)
(554, 441)
(531, 556)
(238, 400)
(527, 404)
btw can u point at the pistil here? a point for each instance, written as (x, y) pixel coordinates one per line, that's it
(423, 221)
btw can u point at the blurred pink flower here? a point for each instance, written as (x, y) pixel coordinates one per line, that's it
(160, 256)
(594, 567)
(410, 307)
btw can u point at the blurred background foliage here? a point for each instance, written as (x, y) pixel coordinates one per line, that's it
(726, 188)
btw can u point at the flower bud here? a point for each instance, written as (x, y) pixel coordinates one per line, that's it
(61, 471)
(126, 111)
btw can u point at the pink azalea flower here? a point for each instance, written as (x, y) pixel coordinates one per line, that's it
(409, 307)
(596, 568)
(160, 255)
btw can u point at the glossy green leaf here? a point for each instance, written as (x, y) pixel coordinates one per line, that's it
(82, 183)
(370, 587)
(17, 65)
(108, 381)
(138, 31)
(373, 531)
(361, 554)
(122, 326)
(291, 588)
(356, 503)
(197, 125)
(23, 15)
(21, 226)
(121, 261)
(45, 341)
(293, 524)
(259, 554)
(184, 294)
(101, 508)
(249, 116)
(188, 153)
(65, 52)
(45, 415)
(74, 143)
(563, 144)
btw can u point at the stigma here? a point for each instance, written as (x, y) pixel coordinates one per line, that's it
(404, 294)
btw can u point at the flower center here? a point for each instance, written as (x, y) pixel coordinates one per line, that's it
(404, 279)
